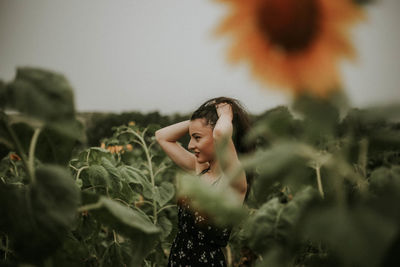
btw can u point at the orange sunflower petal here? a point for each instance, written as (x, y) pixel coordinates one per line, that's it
(274, 47)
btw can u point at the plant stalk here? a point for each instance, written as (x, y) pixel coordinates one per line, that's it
(31, 156)
(152, 179)
(79, 172)
(142, 143)
(320, 189)
(90, 207)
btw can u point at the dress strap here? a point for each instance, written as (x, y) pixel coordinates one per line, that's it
(204, 171)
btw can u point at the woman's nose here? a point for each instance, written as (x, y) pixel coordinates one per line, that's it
(190, 145)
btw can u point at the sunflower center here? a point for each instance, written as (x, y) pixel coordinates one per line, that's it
(289, 24)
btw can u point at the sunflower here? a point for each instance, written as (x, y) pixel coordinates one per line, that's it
(294, 44)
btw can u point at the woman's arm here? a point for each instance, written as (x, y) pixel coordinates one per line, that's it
(224, 129)
(168, 136)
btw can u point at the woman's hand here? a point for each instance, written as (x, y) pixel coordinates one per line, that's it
(224, 109)
(223, 127)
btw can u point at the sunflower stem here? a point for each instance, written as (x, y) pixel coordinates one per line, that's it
(31, 156)
(320, 189)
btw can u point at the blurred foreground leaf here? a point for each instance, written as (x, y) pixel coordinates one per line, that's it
(220, 203)
(42, 94)
(358, 235)
(273, 224)
(130, 223)
(38, 216)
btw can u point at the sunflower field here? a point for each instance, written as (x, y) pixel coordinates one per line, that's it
(325, 176)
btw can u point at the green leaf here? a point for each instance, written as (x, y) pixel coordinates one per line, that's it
(285, 162)
(125, 220)
(165, 224)
(110, 167)
(131, 224)
(93, 155)
(275, 123)
(136, 176)
(98, 175)
(220, 202)
(5, 137)
(164, 193)
(320, 116)
(274, 222)
(128, 194)
(116, 255)
(37, 217)
(42, 94)
(56, 147)
(384, 191)
(384, 180)
(115, 175)
(358, 235)
(131, 175)
(55, 194)
(69, 128)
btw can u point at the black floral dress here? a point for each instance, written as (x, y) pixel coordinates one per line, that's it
(198, 242)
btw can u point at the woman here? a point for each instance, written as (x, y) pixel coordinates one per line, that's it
(199, 242)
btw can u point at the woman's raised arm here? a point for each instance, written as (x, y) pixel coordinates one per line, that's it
(168, 138)
(224, 129)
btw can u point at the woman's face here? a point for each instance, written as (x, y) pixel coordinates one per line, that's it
(201, 140)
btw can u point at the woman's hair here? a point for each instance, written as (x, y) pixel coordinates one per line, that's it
(241, 124)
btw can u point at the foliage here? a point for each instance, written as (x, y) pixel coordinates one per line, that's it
(124, 212)
(100, 125)
(326, 184)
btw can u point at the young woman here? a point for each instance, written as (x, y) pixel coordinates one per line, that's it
(198, 242)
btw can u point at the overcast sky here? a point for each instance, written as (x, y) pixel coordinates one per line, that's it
(148, 55)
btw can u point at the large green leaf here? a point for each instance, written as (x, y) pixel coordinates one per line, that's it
(45, 100)
(98, 175)
(359, 236)
(384, 191)
(274, 222)
(42, 94)
(275, 124)
(115, 175)
(129, 223)
(56, 147)
(165, 224)
(55, 196)
(320, 117)
(164, 193)
(117, 254)
(136, 177)
(132, 175)
(285, 162)
(37, 217)
(5, 137)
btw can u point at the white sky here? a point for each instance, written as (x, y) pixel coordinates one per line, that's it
(151, 55)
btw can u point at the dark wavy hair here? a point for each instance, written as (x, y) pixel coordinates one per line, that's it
(241, 125)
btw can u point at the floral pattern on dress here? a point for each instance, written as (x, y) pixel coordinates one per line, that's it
(197, 243)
